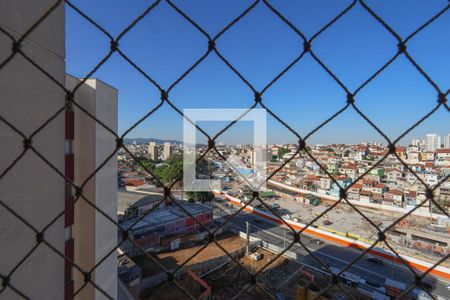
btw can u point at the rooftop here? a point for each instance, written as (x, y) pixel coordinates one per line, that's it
(167, 214)
(129, 199)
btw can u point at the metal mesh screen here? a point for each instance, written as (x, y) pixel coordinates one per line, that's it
(350, 103)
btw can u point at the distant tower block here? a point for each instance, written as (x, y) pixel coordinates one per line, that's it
(153, 151)
(167, 150)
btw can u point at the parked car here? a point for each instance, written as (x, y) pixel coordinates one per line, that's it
(375, 260)
(428, 286)
(373, 283)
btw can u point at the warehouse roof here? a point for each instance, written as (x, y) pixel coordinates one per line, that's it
(127, 199)
(167, 214)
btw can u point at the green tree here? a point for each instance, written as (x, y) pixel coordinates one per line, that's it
(282, 151)
(170, 171)
(200, 196)
(205, 167)
(147, 163)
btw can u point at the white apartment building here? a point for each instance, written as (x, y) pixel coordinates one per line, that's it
(416, 142)
(260, 155)
(433, 142)
(167, 150)
(95, 236)
(447, 141)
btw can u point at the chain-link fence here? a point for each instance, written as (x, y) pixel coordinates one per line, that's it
(350, 103)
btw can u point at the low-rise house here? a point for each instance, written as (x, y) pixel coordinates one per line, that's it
(368, 184)
(354, 191)
(332, 167)
(413, 157)
(325, 183)
(377, 172)
(443, 153)
(444, 191)
(401, 152)
(349, 170)
(410, 198)
(399, 184)
(343, 182)
(427, 156)
(393, 197)
(378, 191)
(411, 179)
(365, 196)
(417, 167)
(392, 175)
(430, 179)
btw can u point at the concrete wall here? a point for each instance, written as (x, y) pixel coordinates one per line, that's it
(27, 99)
(95, 235)
(106, 188)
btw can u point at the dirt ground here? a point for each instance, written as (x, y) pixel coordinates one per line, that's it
(171, 291)
(174, 259)
(281, 275)
(229, 242)
(231, 279)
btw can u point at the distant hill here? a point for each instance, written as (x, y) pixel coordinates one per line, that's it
(148, 140)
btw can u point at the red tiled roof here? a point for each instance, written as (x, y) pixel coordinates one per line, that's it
(340, 177)
(411, 194)
(444, 150)
(396, 192)
(312, 177)
(351, 167)
(356, 186)
(368, 181)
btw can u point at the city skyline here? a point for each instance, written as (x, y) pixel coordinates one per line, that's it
(444, 141)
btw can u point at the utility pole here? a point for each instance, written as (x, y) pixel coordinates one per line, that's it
(248, 237)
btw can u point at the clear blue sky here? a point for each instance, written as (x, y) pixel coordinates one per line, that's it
(260, 46)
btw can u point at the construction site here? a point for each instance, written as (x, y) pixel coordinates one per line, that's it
(280, 278)
(412, 236)
(211, 274)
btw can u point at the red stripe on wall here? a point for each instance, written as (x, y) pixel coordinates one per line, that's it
(69, 290)
(70, 132)
(69, 168)
(69, 212)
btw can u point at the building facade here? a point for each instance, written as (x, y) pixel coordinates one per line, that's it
(447, 141)
(153, 151)
(167, 150)
(433, 142)
(95, 236)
